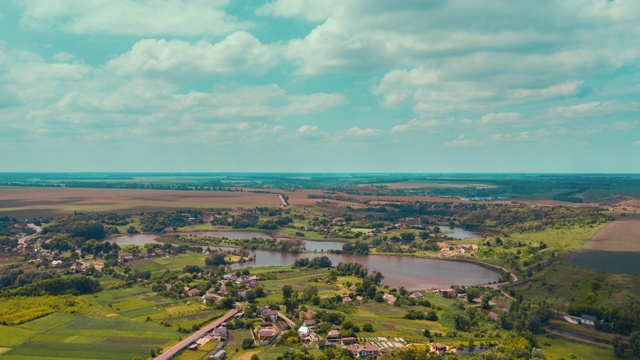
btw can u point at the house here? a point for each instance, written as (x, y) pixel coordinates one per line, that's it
(203, 340)
(211, 298)
(239, 315)
(359, 298)
(220, 355)
(364, 350)
(159, 252)
(389, 299)
(304, 331)
(348, 340)
(56, 262)
(193, 347)
(193, 292)
(309, 323)
(346, 300)
(333, 334)
(464, 249)
(439, 349)
(270, 315)
(220, 333)
(266, 333)
(416, 295)
(587, 319)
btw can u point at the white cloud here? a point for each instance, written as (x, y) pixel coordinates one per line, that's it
(513, 137)
(637, 143)
(493, 118)
(63, 57)
(397, 85)
(305, 129)
(594, 108)
(416, 124)
(356, 131)
(565, 89)
(131, 17)
(462, 143)
(239, 52)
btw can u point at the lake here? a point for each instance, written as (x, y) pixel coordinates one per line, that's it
(410, 272)
(459, 233)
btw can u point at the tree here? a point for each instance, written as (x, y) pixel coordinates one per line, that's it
(617, 342)
(247, 343)
(634, 342)
(287, 291)
(216, 258)
(367, 327)
(426, 333)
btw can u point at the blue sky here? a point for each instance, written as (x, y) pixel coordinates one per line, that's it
(308, 85)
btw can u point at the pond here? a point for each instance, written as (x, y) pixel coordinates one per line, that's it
(459, 233)
(410, 272)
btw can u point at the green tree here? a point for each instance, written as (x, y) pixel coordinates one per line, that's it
(247, 343)
(634, 342)
(617, 342)
(367, 327)
(287, 291)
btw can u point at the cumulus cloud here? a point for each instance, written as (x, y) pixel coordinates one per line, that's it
(356, 131)
(131, 17)
(416, 124)
(594, 108)
(462, 143)
(568, 88)
(493, 118)
(240, 52)
(305, 129)
(524, 135)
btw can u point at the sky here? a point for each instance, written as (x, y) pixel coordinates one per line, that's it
(320, 86)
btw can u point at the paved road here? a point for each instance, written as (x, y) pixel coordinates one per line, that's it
(168, 354)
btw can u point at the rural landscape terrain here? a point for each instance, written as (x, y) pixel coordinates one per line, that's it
(319, 266)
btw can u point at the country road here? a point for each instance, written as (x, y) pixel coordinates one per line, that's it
(169, 353)
(23, 240)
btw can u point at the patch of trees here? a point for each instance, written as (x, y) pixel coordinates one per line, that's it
(524, 218)
(315, 263)
(79, 285)
(622, 321)
(353, 268)
(358, 247)
(13, 278)
(159, 221)
(75, 228)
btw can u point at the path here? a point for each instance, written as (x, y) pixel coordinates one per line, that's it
(284, 202)
(287, 320)
(499, 286)
(169, 353)
(23, 240)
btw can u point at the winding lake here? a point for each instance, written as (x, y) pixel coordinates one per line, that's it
(410, 272)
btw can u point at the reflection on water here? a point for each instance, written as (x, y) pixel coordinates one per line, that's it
(412, 273)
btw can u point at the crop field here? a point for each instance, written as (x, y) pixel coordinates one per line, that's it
(24, 202)
(63, 336)
(615, 248)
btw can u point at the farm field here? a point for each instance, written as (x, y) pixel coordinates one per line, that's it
(615, 248)
(25, 202)
(64, 336)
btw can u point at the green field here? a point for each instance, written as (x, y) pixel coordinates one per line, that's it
(63, 336)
